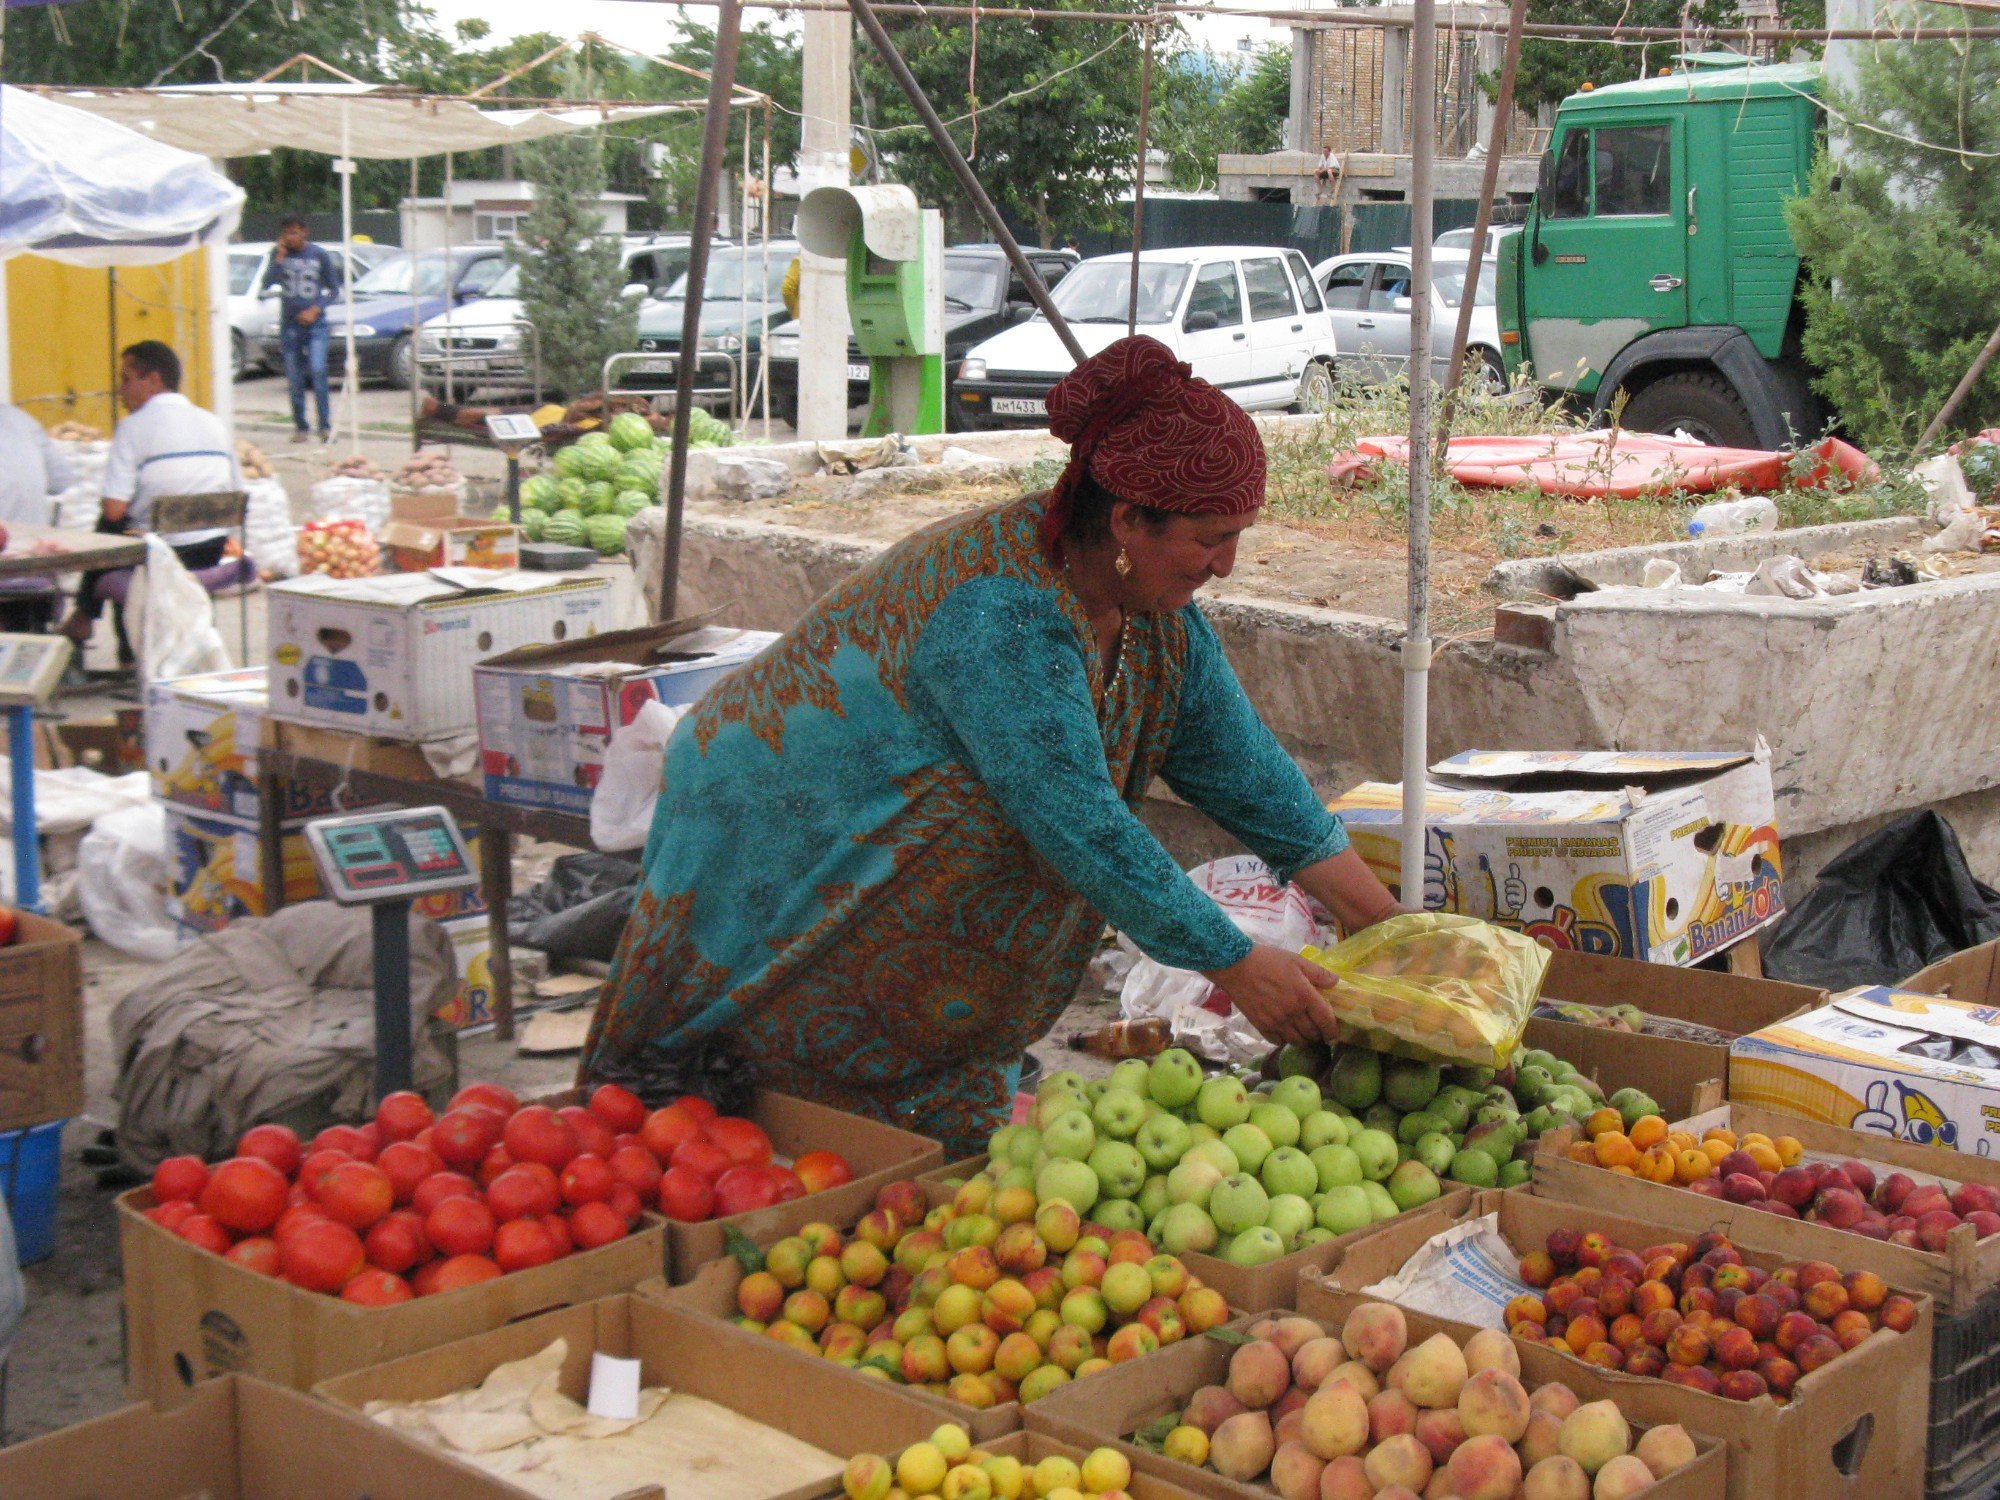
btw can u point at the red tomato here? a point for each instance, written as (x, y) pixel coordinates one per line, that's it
(492, 1164)
(179, 1178)
(462, 1136)
(439, 1186)
(744, 1142)
(374, 1287)
(741, 1189)
(635, 1167)
(686, 1195)
(619, 1108)
(322, 1256)
(460, 1226)
(357, 1194)
(206, 1231)
(490, 1095)
(246, 1194)
(820, 1170)
(277, 1144)
(666, 1130)
(315, 1167)
(587, 1179)
(343, 1138)
(537, 1133)
(784, 1181)
(296, 1194)
(293, 1217)
(463, 1270)
(519, 1193)
(10, 920)
(595, 1224)
(627, 1203)
(255, 1254)
(406, 1164)
(372, 1139)
(695, 1105)
(521, 1243)
(400, 1116)
(398, 1242)
(592, 1134)
(627, 1138)
(559, 1235)
(171, 1215)
(423, 1280)
(705, 1157)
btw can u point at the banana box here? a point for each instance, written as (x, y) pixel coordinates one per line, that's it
(1666, 857)
(1921, 1068)
(201, 736)
(471, 948)
(216, 871)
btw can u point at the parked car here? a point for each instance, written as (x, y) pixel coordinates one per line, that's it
(743, 294)
(250, 310)
(1368, 297)
(386, 297)
(982, 295)
(489, 342)
(1460, 240)
(1249, 319)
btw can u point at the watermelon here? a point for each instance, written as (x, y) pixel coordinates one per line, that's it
(570, 461)
(597, 499)
(565, 527)
(629, 430)
(532, 522)
(602, 462)
(705, 430)
(569, 494)
(606, 533)
(638, 473)
(594, 440)
(539, 491)
(630, 502)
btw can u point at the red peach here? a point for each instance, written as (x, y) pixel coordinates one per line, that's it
(1899, 1313)
(1780, 1374)
(1818, 1350)
(1742, 1385)
(1736, 1349)
(1698, 1377)
(1538, 1268)
(1983, 1222)
(1974, 1197)
(1644, 1359)
(1794, 1328)
(1892, 1190)
(1842, 1208)
(1934, 1229)
(1659, 1325)
(1687, 1345)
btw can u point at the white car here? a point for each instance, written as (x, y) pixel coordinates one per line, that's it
(1460, 240)
(250, 309)
(1368, 297)
(1248, 319)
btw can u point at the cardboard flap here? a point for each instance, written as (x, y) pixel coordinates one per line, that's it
(1921, 1015)
(639, 647)
(1382, 802)
(416, 535)
(1562, 770)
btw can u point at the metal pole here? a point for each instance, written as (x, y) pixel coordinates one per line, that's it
(27, 838)
(1966, 383)
(393, 1064)
(1482, 219)
(1139, 183)
(408, 226)
(864, 12)
(714, 141)
(1417, 639)
(764, 316)
(350, 383)
(450, 300)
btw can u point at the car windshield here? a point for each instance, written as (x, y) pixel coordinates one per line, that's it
(972, 282)
(735, 274)
(243, 266)
(508, 284)
(392, 278)
(1101, 291)
(1450, 283)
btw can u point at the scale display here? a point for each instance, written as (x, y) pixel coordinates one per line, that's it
(510, 428)
(390, 856)
(31, 666)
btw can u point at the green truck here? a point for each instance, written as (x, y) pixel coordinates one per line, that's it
(1656, 261)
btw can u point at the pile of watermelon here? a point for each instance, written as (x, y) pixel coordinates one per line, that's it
(604, 479)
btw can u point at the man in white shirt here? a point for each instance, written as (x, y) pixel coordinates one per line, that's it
(166, 445)
(32, 469)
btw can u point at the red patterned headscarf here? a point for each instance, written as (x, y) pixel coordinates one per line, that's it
(1140, 424)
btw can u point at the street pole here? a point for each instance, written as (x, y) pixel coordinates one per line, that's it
(1139, 184)
(823, 162)
(1417, 638)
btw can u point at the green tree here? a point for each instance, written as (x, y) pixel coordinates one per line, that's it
(1901, 238)
(1256, 103)
(571, 273)
(1553, 69)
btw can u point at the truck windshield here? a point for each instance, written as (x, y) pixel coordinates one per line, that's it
(1100, 292)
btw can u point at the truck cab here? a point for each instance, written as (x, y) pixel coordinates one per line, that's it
(1656, 263)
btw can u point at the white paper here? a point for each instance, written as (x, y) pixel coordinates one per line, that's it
(614, 1387)
(1466, 1274)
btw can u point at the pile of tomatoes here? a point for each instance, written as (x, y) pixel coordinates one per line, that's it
(414, 1202)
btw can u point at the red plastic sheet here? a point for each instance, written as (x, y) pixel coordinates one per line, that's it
(1607, 462)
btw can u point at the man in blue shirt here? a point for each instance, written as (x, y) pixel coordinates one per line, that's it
(308, 279)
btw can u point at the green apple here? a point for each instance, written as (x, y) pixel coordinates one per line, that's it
(1174, 1077)
(1135, 1074)
(1154, 1109)
(1021, 1150)
(1192, 1181)
(1337, 1166)
(1239, 1202)
(1276, 1121)
(1095, 1089)
(1289, 1216)
(1515, 1173)
(997, 1145)
(1217, 1154)
(1474, 1168)
(1070, 1135)
(1249, 1144)
(1357, 1077)
(1060, 1103)
(1186, 1227)
(1412, 1185)
(1118, 1114)
(1059, 1083)
(1380, 1116)
(1313, 1236)
(1300, 1095)
(1153, 1200)
(1200, 1130)
(1072, 1181)
(1422, 1123)
(1343, 1210)
(1321, 1128)
(1015, 1177)
(1223, 1102)
(1120, 1169)
(1119, 1213)
(1409, 1084)
(1451, 1106)
(1376, 1150)
(1435, 1151)
(1163, 1141)
(1255, 1246)
(1222, 1244)
(1295, 1061)
(1379, 1202)
(1289, 1170)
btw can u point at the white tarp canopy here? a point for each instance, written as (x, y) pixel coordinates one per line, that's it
(88, 191)
(242, 119)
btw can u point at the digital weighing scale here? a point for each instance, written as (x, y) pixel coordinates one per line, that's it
(511, 432)
(30, 668)
(386, 860)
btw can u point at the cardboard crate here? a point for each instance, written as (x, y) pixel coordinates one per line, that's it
(215, 869)
(202, 735)
(237, 1439)
(1668, 857)
(1967, 1271)
(1853, 1430)
(1032, 1447)
(191, 1315)
(471, 951)
(1113, 1404)
(392, 655)
(425, 505)
(41, 1023)
(1971, 975)
(547, 712)
(452, 541)
(810, 1399)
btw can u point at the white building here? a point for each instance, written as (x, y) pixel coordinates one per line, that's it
(489, 211)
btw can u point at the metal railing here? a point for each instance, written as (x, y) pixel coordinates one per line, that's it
(704, 358)
(469, 370)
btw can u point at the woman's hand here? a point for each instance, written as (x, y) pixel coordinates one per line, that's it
(1280, 994)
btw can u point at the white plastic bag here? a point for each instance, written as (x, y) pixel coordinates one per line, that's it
(1202, 1019)
(1469, 1274)
(176, 618)
(343, 498)
(122, 882)
(621, 809)
(268, 533)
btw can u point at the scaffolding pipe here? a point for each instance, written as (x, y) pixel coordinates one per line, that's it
(1139, 183)
(1417, 638)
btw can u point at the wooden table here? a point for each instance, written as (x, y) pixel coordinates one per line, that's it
(82, 551)
(497, 822)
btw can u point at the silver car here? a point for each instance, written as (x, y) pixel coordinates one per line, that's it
(1368, 296)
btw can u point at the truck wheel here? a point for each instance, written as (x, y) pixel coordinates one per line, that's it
(1704, 406)
(1488, 370)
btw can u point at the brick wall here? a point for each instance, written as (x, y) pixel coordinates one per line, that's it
(1344, 108)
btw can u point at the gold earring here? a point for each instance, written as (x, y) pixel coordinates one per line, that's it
(1122, 563)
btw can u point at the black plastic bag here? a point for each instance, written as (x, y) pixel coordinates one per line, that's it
(1885, 906)
(659, 1076)
(580, 910)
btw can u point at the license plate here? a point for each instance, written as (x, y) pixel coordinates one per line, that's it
(652, 367)
(857, 372)
(1019, 406)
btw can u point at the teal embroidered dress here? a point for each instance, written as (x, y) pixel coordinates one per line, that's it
(885, 849)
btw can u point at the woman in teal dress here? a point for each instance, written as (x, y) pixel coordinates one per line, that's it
(885, 849)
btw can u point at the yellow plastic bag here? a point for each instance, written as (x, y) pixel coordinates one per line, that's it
(1435, 984)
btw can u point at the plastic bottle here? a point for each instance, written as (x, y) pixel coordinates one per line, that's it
(1143, 1038)
(1733, 517)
